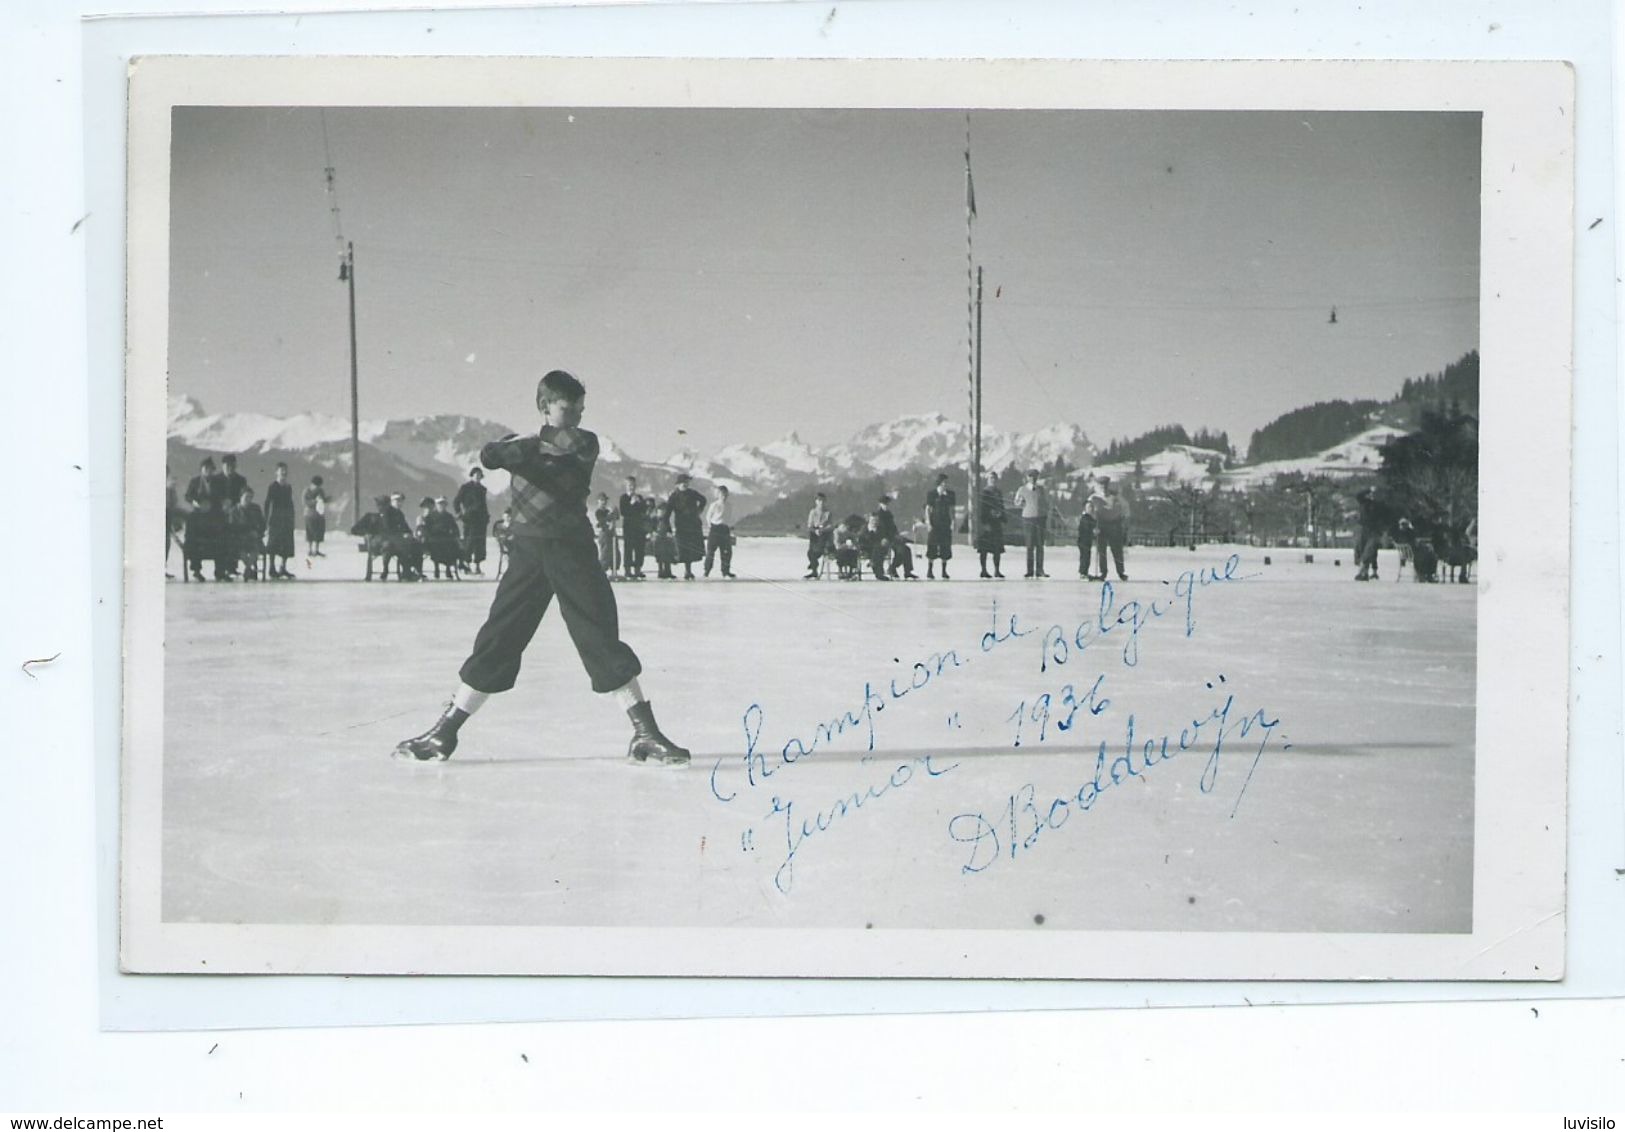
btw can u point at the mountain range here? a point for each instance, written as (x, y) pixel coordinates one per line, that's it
(432, 455)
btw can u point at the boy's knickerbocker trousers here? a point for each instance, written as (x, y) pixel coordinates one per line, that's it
(537, 570)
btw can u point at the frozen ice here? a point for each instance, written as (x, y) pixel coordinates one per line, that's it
(281, 803)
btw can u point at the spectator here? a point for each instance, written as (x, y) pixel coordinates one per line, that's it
(603, 529)
(687, 507)
(315, 517)
(206, 535)
(245, 523)
(279, 524)
(635, 511)
(939, 514)
(471, 506)
(1032, 498)
(719, 537)
(819, 531)
(990, 525)
(665, 542)
(1111, 512)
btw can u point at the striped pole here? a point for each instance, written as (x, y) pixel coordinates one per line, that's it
(973, 343)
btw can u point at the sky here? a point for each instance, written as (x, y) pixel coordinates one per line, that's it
(726, 276)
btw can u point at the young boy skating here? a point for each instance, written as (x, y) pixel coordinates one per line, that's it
(552, 552)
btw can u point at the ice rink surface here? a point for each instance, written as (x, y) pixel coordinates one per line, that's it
(1325, 782)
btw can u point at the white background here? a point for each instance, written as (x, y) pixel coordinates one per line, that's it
(64, 499)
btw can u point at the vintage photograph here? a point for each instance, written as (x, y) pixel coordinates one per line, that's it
(890, 530)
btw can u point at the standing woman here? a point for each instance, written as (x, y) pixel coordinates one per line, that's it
(279, 523)
(990, 525)
(687, 505)
(315, 517)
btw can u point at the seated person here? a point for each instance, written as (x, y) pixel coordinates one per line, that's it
(441, 539)
(848, 547)
(876, 548)
(245, 527)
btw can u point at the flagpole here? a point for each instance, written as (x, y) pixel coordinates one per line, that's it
(973, 342)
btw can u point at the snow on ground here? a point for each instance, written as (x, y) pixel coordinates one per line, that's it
(283, 701)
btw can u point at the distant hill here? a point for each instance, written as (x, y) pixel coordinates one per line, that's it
(1158, 439)
(1315, 428)
(1311, 429)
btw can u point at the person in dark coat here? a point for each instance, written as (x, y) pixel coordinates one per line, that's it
(875, 547)
(665, 543)
(279, 515)
(245, 525)
(687, 506)
(635, 511)
(206, 523)
(1365, 548)
(399, 528)
(990, 525)
(939, 516)
(553, 555)
(894, 547)
(472, 506)
(441, 540)
(395, 518)
(1086, 542)
(1111, 511)
(849, 547)
(603, 529)
(235, 482)
(315, 517)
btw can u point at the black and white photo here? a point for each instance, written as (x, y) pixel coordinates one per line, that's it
(1000, 520)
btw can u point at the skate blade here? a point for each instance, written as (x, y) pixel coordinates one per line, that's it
(668, 764)
(407, 754)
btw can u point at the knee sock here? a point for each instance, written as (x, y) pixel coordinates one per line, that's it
(468, 700)
(628, 695)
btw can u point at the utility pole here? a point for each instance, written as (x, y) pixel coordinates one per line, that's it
(347, 273)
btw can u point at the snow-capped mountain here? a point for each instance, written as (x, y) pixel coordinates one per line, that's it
(932, 440)
(436, 452)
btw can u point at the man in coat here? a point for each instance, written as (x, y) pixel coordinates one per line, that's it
(206, 534)
(1111, 512)
(635, 514)
(939, 515)
(472, 508)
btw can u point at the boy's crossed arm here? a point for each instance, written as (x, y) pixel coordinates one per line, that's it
(561, 465)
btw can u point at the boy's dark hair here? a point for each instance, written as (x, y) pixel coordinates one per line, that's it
(228, 458)
(557, 385)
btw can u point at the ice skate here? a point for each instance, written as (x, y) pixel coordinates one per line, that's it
(436, 743)
(648, 744)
